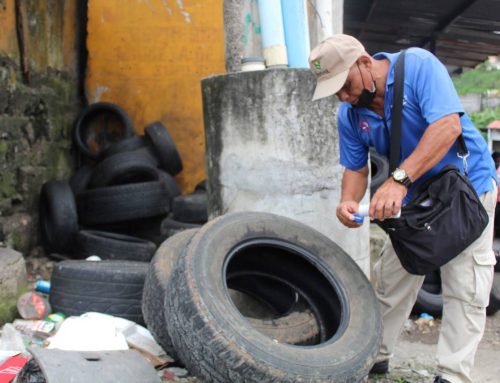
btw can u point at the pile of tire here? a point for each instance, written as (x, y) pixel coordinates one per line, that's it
(379, 170)
(256, 297)
(119, 205)
(430, 298)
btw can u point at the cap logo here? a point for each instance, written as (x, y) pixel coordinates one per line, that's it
(317, 64)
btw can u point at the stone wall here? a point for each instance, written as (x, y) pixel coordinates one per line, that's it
(35, 130)
(42, 56)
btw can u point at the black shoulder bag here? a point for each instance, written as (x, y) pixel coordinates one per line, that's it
(444, 214)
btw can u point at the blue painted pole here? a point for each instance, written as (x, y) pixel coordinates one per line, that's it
(296, 32)
(273, 34)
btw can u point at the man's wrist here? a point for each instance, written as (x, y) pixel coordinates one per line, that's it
(400, 176)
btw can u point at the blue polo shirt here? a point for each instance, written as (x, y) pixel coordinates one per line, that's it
(429, 95)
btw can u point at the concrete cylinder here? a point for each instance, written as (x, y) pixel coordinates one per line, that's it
(270, 148)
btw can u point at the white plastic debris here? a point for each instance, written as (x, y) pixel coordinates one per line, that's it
(94, 331)
(93, 258)
(88, 334)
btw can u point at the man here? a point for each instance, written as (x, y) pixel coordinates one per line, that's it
(433, 118)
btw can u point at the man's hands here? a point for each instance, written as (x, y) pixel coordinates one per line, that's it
(387, 200)
(344, 213)
(386, 203)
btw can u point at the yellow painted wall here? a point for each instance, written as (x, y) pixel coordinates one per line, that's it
(8, 41)
(149, 56)
(50, 33)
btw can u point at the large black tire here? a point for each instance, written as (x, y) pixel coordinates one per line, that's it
(379, 170)
(164, 147)
(170, 226)
(109, 287)
(58, 217)
(494, 305)
(155, 288)
(190, 208)
(215, 341)
(109, 245)
(124, 168)
(123, 203)
(126, 145)
(297, 327)
(430, 299)
(170, 183)
(147, 229)
(79, 181)
(90, 140)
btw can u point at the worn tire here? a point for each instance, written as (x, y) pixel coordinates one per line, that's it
(430, 300)
(379, 172)
(297, 327)
(109, 287)
(201, 186)
(191, 208)
(123, 203)
(173, 188)
(164, 147)
(155, 288)
(115, 246)
(170, 226)
(214, 340)
(88, 115)
(125, 168)
(80, 180)
(494, 305)
(58, 217)
(128, 144)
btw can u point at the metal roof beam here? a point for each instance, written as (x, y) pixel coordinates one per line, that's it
(444, 24)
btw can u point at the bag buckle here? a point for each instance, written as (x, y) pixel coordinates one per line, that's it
(464, 160)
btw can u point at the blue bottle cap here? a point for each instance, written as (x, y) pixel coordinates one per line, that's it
(358, 218)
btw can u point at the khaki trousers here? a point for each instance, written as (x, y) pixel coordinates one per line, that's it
(466, 284)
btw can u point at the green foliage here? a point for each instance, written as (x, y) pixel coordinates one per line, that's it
(477, 80)
(485, 117)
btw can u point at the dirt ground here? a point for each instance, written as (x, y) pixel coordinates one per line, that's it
(413, 361)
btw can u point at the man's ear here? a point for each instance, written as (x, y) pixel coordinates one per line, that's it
(365, 60)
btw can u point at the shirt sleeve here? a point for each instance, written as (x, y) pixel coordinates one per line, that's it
(432, 85)
(353, 151)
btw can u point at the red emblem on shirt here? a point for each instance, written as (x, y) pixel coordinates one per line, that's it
(363, 125)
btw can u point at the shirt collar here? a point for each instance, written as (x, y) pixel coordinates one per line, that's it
(392, 57)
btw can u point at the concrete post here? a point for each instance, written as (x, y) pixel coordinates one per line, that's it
(270, 148)
(242, 32)
(325, 19)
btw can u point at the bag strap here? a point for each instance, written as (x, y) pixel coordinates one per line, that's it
(397, 117)
(397, 113)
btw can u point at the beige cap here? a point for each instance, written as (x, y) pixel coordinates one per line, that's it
(330, 62)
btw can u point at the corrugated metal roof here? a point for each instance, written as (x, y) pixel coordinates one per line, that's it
(462, 33)
(494, 125)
